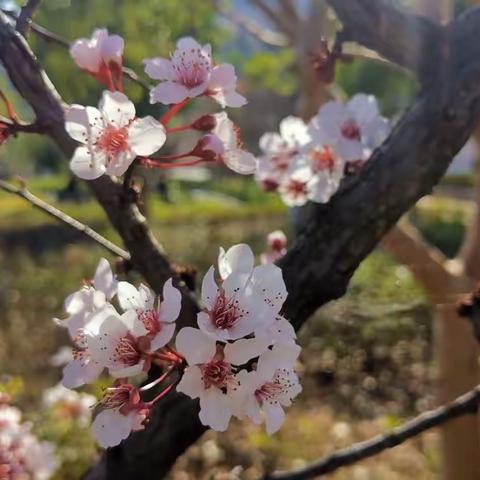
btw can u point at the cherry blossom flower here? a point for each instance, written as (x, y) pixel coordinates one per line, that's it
(353, 128)
(294, 188)
(159, 321)
(276, 247)
(118, 342)
(247, 299)
(272, 386)
(211, 374)
(225, 145)
(90, 297)
(279, 151)
(101, 55)
(280, 331)
(80, 306)
(190, 73)
(111, 136)
(121, 412)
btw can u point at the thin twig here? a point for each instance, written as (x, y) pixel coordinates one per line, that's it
(52, 37)
(27, 12)
(469, 403)
(63, 217)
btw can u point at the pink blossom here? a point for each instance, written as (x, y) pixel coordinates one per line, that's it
(211, 374)
(353, 129)
(276, 247)
(121, 412)
(271, 386)
(225, 145)
(247, 299)
(190, 73)
(159, 320)
(111, 136)
(101, 55)
(118, 342)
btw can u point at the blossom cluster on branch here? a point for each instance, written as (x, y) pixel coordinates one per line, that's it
(112, 137)
(239, 361)
(22, 455)
(306, 162)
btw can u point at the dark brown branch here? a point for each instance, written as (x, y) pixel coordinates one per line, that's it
(411, 41)
(64, 218)
(26, 14)
(467, 404)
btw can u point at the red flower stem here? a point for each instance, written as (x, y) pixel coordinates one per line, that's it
(158, 380)
(174, 352)
(181, 128)
(11, 111)
(165, 119)
(160, 395)
(153, 164)
(111, 85)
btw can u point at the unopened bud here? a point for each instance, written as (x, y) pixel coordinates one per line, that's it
(209, 147)
(206, 123)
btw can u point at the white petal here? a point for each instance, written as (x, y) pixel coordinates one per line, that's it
(274, 417)
(112, 48)
(238, 258)
(215, 409)
(230, 99)
(120, 163)
(79, 372)
(87, 166)
(133, 324)
(85, 55)
(271, 142)
(364, 108)
(209, 289)
(163, 337)
(281, 356)
(128, 296)
(169, 93)
(191, 383)
(116, 108)
(159, 68)
(195, 346)
(110, 427)
(240, 161)
(146, 136)
(294, 131)
(350, 150)
(241, 351)
(171, 304)
(125, 372)
(104, 279)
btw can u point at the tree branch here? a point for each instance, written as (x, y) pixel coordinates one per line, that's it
(26, 14)
(467, 404)
(262, 34)
(411, 41)
(64, 218)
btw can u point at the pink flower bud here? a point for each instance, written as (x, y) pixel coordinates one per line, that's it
(206, 123)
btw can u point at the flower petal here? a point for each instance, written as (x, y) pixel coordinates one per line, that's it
(195, 346)
(240, 161)
(171, 303)
(191, 383)
(116, 108)
(104, 279)
(243, 350)
(163, 337)
(159, 68)
(86, 165)
(274, 417)
(128, 296)
(209, 289)
(215, 409)
(238, 258)
(110, 427)
(169, 93)
(146, 136)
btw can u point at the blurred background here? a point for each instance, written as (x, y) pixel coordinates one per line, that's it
(368, 359)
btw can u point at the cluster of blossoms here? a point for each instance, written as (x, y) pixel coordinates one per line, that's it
(306, 162)
(276, 247)
(125, 330)
(112, 137)
(69, 404)
(22, 455)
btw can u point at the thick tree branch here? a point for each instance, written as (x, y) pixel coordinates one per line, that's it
(26, 14)
(64, 218)
(467, 404)
(411, 41)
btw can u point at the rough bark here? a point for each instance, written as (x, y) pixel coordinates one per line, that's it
(340, 235)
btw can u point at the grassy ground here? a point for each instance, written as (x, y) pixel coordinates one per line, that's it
(366, 360)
